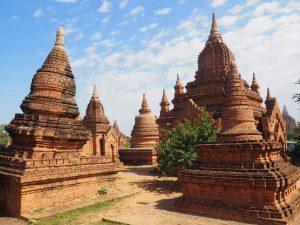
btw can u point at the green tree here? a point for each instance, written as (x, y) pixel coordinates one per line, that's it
(4, 137)
(176, 147)
(297, 95)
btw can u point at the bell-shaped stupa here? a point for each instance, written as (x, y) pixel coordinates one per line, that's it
(145, 130)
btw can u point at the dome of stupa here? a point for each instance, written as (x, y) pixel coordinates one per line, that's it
(145, 130)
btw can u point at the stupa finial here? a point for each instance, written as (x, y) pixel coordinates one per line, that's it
(164, 97)
(145, 108)
(59, 42)
(178, 81)
(95, 91)
(214, 31)
(268, 94)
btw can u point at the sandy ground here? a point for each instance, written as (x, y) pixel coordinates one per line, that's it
(153, 203)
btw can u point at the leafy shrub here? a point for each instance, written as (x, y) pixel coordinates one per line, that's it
(103, 190)
(176, 147)
(4, 137)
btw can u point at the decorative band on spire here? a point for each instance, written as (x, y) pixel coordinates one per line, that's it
(59, 42)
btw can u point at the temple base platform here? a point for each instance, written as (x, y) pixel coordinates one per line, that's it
(138, 156)
(247, 182)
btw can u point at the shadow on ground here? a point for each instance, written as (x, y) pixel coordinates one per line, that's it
(159, 186)
(141, 170)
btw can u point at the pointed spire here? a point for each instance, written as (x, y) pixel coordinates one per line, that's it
(145, 108)
(214, 31)
(178, 81)
(59, 42)
(254, 85)
(178, 86)
(164, 104)
(268, 94)
(95, 91)
(164, 97)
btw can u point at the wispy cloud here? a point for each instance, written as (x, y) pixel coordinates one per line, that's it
(149, 27)
(105, 20)
(162, 11)
(105, 7)
(13, 18)
(38, 13)
(217, 3)
(123, 4)
(137, 10)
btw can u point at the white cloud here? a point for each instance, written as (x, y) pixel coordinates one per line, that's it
(66, 1)
(105, 7)
(154, 66)
(163, 11)
(105, 20)
(78, 37)
(217, 3)
(149, 27)
(13, 18)
(137, 10)
(96, 36)
(123, 4)
(38, 13)
(228, 21)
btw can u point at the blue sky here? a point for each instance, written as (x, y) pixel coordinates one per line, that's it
(128, 47)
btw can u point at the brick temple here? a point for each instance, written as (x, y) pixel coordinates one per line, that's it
(105, 140)
(45, 165)
(145, 135)
(208, 89)
(243, 175)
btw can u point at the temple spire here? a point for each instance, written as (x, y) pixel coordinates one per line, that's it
(59, 42)
(178, 81)
(164, 104)
(145, 108)
(214, 31)
(178, 86)
(254, 85)
(164, 97)
(268, 94)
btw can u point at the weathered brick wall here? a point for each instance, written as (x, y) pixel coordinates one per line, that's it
(62, 192)
(138, 156)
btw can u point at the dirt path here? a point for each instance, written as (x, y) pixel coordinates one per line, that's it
(152, 205)
(155, 202)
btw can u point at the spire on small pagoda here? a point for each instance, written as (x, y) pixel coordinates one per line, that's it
(178, 86)
(214, 31)
(145, 108)
(254, 85)
(164, 104)
(268, 94)
(59, 42)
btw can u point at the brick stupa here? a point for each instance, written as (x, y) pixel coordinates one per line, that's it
(145, 137)
(243, 175)
(44, 166)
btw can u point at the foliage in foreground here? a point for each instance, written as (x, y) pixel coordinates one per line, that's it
(176, 147)
(4, 137)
